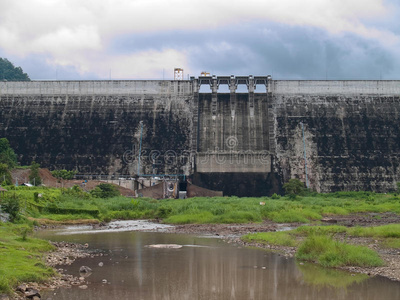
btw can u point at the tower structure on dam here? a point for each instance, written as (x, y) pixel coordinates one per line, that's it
(244, 143)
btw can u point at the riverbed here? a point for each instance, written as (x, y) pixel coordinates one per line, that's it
(202, 267)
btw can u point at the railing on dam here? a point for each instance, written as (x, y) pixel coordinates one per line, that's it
(232, 81)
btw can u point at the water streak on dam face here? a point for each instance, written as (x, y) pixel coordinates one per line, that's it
(243, 143)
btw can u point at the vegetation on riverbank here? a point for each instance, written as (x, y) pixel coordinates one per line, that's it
(328, 252)
(21, 257)
(102, 204)
(322, 244)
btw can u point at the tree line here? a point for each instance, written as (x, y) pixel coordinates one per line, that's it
(11, 73)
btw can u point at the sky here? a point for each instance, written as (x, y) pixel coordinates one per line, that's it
(147, 39)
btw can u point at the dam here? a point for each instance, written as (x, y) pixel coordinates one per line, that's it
(332, 135)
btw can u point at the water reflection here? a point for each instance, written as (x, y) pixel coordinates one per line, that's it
(217, 271)
(324, 277)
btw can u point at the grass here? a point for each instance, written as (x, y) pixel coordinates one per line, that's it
(391, 243)
(331, 253)
(281, 238)
(75, 203)
(318, 243)
(21, 259)
(384, 231)
(322, 230)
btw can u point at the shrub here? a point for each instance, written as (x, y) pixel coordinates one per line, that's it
(34, 176)
(7, 154)
(163, 212)
(275, 196)
(5, 175)
(293, 187)
(105, 190)
(12, 207)
(76, 191)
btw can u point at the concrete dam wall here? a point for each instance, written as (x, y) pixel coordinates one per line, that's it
(246, 144)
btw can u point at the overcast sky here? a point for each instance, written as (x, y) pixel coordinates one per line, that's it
(146, 39)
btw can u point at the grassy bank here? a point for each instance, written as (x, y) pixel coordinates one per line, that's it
(21, 257)
(71, 204)
(321, 243)
(331, 253)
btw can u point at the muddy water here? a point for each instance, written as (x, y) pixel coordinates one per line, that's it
(204, 268)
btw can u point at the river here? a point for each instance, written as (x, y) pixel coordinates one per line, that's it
(203, 268)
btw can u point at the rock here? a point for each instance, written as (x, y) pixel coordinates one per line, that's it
(36, 298)
(328, 220)
(104, 280)
(21, 288)
(101, 264)
(166, 246)
(31, 292)
(83, 287)
(4, 297)
(85, 269)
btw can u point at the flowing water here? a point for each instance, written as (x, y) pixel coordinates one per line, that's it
(203, 268)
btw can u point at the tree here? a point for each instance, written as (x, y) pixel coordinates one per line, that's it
(7, 154)
(293, 187)
(12, 207)
(5, 175)
(34, 176)
(105, 190)
(11, 73)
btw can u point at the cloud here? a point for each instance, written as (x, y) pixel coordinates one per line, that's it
(148, 64)
(82, 36)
